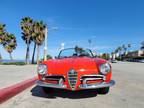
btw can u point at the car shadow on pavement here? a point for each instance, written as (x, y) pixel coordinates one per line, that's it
(38, 92)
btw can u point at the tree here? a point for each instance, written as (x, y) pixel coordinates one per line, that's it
(90, 42)
(38, 35)
(33, 56)
(113, 55)
(124, 48)
(2, 34)
(105, 56)
(27, 28)
(129, 46)
(118, 51)
(142, 45)
(0, 57)
(10, 43)
(49, 57)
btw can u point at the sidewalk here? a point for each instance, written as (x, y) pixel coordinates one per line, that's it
(11, 74)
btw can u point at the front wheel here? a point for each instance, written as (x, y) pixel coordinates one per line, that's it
(47, 89)
(103, 90)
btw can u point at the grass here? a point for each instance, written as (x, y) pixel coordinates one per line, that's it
(13, 63)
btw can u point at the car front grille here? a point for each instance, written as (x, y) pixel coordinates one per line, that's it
(72, 78)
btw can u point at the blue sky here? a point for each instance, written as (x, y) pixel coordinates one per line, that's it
(108, 23)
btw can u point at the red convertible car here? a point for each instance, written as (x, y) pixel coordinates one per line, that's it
(75, 69)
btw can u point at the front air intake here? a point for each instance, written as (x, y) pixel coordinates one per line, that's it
(72, 78)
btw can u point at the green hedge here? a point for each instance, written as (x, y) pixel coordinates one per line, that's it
(13, 63)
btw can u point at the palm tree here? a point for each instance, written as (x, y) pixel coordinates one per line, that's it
(27, 27)
(10, 43)
(124, 48)
(142, 45)
(2, 34)
(38, 35)
(129, 46)
(120, 52)
(33, 56)
(90, 42)
(116, 51)
(0, 57)
(119, 49)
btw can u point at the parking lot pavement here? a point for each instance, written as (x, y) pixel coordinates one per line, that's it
(127, 93)
(11, 74)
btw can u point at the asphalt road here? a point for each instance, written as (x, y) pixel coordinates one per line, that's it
(127, 93)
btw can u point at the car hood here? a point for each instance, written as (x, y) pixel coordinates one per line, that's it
(80, 64)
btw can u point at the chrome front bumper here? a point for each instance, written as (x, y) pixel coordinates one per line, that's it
(99, 85)
(82, 86)
(40, 83)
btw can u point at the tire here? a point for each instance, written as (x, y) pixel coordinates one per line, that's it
(47, 90)
(103, 90)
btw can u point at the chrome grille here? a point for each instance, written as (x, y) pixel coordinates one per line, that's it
(72, 78)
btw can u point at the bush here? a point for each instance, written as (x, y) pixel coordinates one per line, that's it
(48, 57)
(13, 63)
(118, 59)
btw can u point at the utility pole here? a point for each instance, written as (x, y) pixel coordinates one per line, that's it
(45, 44)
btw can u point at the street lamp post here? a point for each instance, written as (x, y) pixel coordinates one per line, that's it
(45, 41)
(45, 44)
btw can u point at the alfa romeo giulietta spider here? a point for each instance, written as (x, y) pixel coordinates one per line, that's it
(75, 69)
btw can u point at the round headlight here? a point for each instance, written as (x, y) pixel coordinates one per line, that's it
(105, 68)
(42, 69)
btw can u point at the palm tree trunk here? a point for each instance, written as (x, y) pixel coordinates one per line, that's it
(27, 53)
(0, 57)
(33, 53)
(11, 58)
(37, 54)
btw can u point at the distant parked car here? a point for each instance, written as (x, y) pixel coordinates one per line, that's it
(113, 61)
(141, 61)
(75, 69)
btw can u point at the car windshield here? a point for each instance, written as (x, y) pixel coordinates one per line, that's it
(72, 52)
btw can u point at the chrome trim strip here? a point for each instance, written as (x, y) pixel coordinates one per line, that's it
(90, 79)
(40, 83)
(103, 77)
(94, 75)
(54, 76)
(50, 77)
(99, 85)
